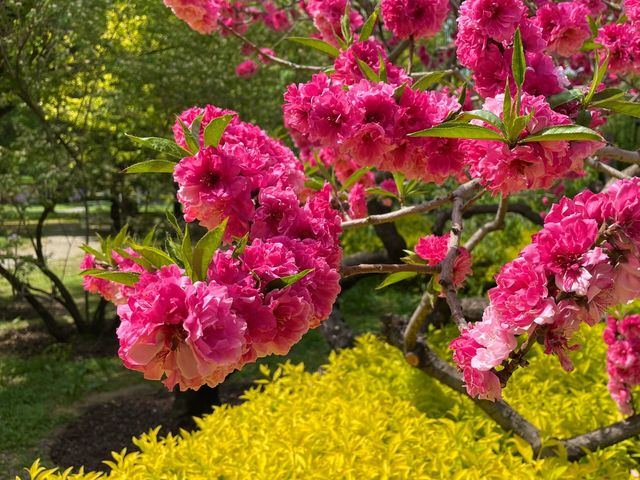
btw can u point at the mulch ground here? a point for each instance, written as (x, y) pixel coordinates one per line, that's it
(107, 426)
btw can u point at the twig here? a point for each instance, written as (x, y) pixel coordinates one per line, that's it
(496, 224)
(615, 153)
(406, 211)
(578, 446)
(446, 276)
(273, 58)
(604, 168)
(417, 320)
(364, 269)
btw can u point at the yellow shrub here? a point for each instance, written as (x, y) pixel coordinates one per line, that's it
(368, 415)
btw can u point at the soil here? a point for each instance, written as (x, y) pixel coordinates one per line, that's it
(107, 423)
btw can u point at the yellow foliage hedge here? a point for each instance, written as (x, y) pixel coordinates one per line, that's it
(369, 415)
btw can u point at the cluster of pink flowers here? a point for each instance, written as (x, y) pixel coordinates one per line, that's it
(368, 123)
(326, 16)
(414, 18)
(564, 26)
(221, 182)
(622, 42)
(206, 16)
(623, 359)
(115, 293)
(532, 165)
(194, 333)
(434, 249)
(584, 260)
(486, 30)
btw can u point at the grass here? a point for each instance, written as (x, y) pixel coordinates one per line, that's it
(36, 394)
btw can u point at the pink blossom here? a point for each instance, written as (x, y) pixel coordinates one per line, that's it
(246, 69)
(623, 359)
(623, 44)
(414, 18)
(482, 384)
(108, 290)
(434, 249)
(357, 201)
(326, 15)
(371, 52)
(521, 297)
(275, 18)
(564, 25)
(211, 188)
(200, 15)
(497, 19)
(497, 343)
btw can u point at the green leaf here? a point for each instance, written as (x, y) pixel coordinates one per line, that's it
(192, 142)
(519, 124)
(280, 283)
(507, 113)
(215, 129)
(187, 251)
(395, 278)
(484, 115)
(382, 68)
(195, 129)
(369, 25)
(317, 44)
(173, 221)
(368, 71)
(518, 61)
(564, 97)
(143, 262)
(241, 244)
(598, 75)
(160, 145)
(399, 91)
(345, 24)
(205, 248)
(381, 192)
(429, 79)
(121, 236)
(353, 179)
(92, 251)
(126, 278)
(151, 166)
(314, 184)
(460, 130)
(157, 257)
(563, 132)
(607, 94)
(148, 239)
(628, 108)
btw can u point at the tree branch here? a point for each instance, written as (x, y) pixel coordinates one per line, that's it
(407, 211)
(446, 276)
(615, 153)
(417, 320)
(348, 271)
(273, 58)
(496, 224)
(604, 168)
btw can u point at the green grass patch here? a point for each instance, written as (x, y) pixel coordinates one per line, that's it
(36, 392)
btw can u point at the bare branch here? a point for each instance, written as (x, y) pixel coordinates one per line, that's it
(615, 153)
(577, 447)
(496, 224)
(348, 271)
(604, 168)
(446, 276)
(417, 320)
(407, 211)
(273, 58)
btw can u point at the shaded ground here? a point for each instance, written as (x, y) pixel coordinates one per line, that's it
(107, 423)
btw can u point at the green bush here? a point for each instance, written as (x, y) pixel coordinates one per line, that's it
(368, 414)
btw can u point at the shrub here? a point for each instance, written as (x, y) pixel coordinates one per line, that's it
(368, 414)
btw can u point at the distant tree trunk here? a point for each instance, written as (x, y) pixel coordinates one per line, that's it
(195, 403)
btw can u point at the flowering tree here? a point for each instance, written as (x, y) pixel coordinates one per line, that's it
(512, 101)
